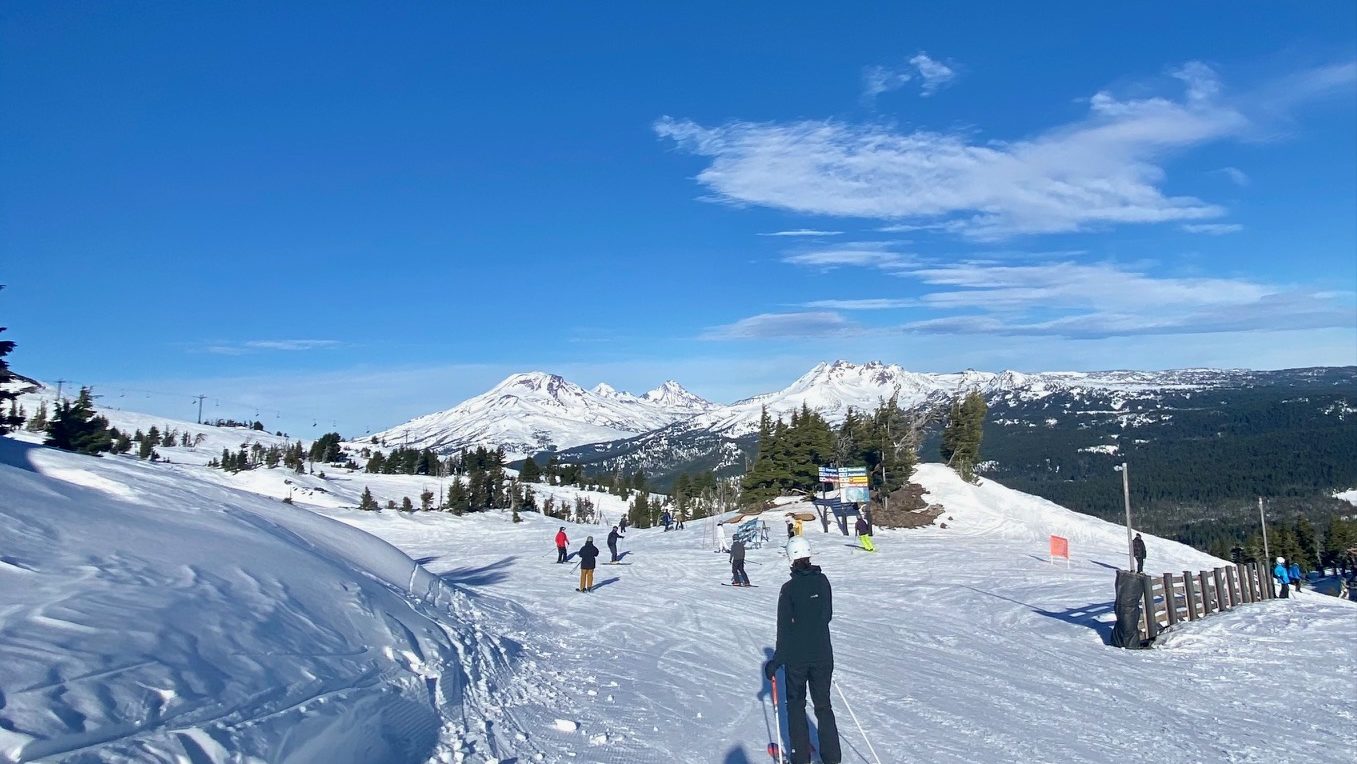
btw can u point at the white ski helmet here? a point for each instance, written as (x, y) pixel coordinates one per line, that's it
(1281, 559)
(798, 548)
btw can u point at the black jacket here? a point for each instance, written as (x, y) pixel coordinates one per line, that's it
(587, 554)
(804, 609)
(737, 551)
(613, 537)
(1138, 548)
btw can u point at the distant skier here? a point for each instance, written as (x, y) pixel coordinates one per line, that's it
(804, 609)
(1138, 550)
(612, 543)
(588, 554)
(791, 529)
(1283, 576)
(864, 534)
(562, 541)
(623, 523)
(797, 524)
(666, 519)
(737, 575)
(1296, 576)
(721, 537)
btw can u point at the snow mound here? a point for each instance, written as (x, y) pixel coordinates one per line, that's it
(144, 620)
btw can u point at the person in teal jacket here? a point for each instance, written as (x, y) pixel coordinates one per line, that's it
(1295, 575)
(1283, 576)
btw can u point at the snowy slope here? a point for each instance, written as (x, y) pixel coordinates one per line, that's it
(154, 617)
(535, 411)
(161, 612)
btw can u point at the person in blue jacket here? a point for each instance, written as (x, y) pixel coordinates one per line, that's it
(1295, 575)
(1283, 576)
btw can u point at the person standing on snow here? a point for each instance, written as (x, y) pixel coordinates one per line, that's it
(612, 543)
(721, 537)
(622, 524)
(791, 529)
(1296, 576)
(562, 541)
(665, 520)
(1283, 576)
(864, 532)
(737, 575)
(587, 554)
(1138, 551)
(804, 609)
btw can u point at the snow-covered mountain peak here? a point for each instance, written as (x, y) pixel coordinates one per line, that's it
(673, 396)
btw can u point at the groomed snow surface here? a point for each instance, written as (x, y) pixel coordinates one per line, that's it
(176, 613)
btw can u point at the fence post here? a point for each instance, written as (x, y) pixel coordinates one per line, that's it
(1206, 593)
(1170, 599)
(1222, 599)
(1191, 600)
(1239, 579)
(1151, 623)
(1254, 589)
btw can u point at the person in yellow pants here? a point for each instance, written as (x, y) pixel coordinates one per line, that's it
(588, 555)
(864, 534)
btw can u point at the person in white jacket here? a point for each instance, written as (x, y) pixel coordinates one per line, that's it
(721, 537)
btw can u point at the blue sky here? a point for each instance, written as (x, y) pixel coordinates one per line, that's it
(359, 214)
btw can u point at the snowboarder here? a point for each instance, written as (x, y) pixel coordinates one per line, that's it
(864, 534)
(721, 537)
(1283, 576)
(612, 543)
(1138, 550)
(804, 609)
(587, 554)
(1295, 575)
(737, 575)
(562, 541)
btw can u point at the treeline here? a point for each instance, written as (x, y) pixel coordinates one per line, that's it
(789, 454)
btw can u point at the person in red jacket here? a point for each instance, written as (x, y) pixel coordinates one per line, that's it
(561, 543)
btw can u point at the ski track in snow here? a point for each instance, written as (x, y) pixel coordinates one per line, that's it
(160, 613)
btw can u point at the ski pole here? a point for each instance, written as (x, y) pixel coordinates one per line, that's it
(858, 723)
(775, 749)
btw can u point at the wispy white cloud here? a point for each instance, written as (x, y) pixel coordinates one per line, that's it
(871, 303)
(1212, 229)
(765, 326)
(860, 254)
(255, 346)
(932, 74)
(803, 232)
(1236, 175)
(935, 74)
(1103, 169)
(1100, 300)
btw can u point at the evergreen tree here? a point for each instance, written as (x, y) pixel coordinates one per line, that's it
(962, 434)
(458, 502)
(12, 420)
(76, 427)
(426, 500)
(146, 447)
(1306, 543)
(39, 421)
(121, 443)
(639, 512)
(530, 472)
(406, 506)
(366, 501)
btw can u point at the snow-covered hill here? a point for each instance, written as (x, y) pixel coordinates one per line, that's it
(163, 612)
(535, 411)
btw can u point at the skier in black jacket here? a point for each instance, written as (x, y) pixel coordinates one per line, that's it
(612, 542)
(737, 575)
(1138, 551)
(804, 609)
(587, 554)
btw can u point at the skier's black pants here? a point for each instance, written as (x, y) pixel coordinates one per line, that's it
(1140, 564)
(560, 554)
(737, 574)
(818, 676)
(613, 549)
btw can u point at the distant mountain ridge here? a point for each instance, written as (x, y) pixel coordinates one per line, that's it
(536, 411)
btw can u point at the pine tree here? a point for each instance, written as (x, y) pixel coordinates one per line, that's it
(76, 427)
(530, 472)
(366, 501)
(426, 500)
(146, 447)
(39, 421)
(639, 513)
(406, 506)
(12, 420)
(1306, 543)
(458, 503)
(962, 434)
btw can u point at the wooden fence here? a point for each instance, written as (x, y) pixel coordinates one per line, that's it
(1170, 598)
